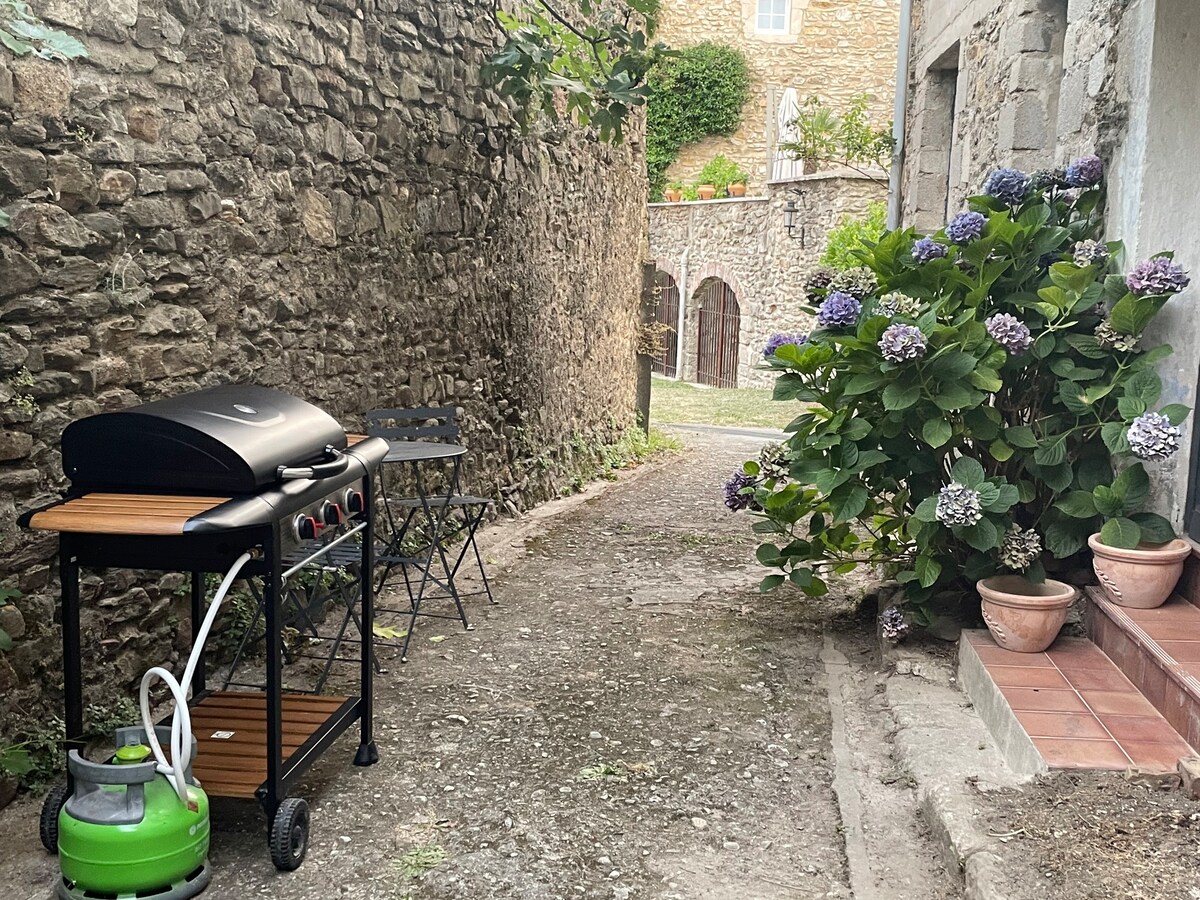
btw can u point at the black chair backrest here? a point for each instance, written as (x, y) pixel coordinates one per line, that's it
(421, 424)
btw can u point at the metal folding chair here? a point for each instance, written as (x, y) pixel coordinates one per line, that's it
(420, 528)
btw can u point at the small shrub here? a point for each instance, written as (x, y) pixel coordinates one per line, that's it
(854, 237)
(721, 172)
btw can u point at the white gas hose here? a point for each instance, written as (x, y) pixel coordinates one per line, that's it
(181, 721)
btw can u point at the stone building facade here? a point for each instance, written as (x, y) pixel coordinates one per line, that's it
(830, 49)
(743, 244)
(318, 195)
(1036, 82)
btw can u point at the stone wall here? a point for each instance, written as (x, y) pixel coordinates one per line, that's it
(743, 242)
(833, 49)
(318, 195)
(1034, 83)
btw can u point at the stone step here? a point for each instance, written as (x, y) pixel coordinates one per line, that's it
(1068, 708)
(1158, 650)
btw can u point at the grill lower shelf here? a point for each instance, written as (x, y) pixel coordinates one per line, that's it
(237, 765)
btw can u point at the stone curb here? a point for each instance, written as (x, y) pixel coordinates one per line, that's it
(944, 746)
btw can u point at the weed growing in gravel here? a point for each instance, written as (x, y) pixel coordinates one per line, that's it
(419, 860)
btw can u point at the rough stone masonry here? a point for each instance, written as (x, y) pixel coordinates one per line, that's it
(318, 195)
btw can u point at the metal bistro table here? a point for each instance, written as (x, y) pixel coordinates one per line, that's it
(431, 511)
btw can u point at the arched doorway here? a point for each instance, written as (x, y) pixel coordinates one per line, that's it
(666, 314)
(719, 321)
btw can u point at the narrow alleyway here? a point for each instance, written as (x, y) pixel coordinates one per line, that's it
(633, 721)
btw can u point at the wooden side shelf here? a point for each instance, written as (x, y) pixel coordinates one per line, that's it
(236, 766)
(138, 514)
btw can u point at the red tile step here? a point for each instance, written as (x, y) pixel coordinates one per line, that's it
(1158, 650)
(1072, 703)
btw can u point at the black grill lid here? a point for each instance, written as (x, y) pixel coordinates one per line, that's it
(229, 439)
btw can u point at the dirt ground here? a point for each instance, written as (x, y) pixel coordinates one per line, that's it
(1098, 837)
(633, 720)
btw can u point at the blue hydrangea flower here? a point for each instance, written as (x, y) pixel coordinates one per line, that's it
(927, 249)
(958, 506)
(1152, 436)
(1157, 276)
(838, 309)
(1085, 172)
(775, 341)
(901, 342)
(1009, 332)
(734, 498)
(966, 227)
(1009, 186)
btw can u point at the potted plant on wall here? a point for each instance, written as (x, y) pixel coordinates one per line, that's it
(964, 389)
(719, 173)
(737, 182)
(673, 191)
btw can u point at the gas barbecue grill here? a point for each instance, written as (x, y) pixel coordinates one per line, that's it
(190, 484)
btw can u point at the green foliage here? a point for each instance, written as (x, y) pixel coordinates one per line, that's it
(419, 860)
(848, 241)
(1028, 437)
(848, 139)
(695, 93)
(24, 34)
(5, 219)
(595, 56)
(721, 172)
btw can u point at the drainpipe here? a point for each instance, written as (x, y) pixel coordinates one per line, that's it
(683, 295)
(900, 113)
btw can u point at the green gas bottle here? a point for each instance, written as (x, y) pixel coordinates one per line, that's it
(125, 831)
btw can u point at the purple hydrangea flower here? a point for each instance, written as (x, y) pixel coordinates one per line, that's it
(958, 506)
(901, 342)
(892, 625)
(966, 227)
(927, 249)
(1085, 172)
(775, 341)
(1152, 436)
(1009, 332)
(1009, 186)
(838, 309)
(734, 498)
(1158, 275)
(1086, 253)
(816, 284)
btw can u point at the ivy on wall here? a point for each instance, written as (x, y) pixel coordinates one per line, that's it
(23, 33)
(697, 92)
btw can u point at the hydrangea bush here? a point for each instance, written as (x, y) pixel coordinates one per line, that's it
(977, 400)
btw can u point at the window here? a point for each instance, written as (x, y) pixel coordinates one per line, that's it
(772, 16)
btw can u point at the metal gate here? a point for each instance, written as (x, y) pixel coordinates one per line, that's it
(719, 324)
(666, 314)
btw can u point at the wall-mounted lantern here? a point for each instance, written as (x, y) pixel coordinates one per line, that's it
(794, 215)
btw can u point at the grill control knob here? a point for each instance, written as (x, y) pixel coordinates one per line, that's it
(352, 501)
(305, 527)
(331, 514)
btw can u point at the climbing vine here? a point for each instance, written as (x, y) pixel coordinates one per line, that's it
(586, 60)
(695, 93)
(24, 34)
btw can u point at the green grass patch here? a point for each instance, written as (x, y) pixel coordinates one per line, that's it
(679, 403)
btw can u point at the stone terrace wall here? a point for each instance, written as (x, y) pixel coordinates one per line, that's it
(834, 50)
(317, 195)
(744, 243)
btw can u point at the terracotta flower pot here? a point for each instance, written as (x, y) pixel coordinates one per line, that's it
(1024, 616)
(706, 191)
(672, 195)
(1143, 578)
(737, 190)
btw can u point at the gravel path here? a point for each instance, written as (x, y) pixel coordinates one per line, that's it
(632, 721)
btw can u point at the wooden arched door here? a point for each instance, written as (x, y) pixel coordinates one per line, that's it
(719, 321)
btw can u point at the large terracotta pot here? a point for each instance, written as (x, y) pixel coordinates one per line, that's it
(672, 195)
(737, 190)
(706, 191)
(1143, 578)
(1024, 616)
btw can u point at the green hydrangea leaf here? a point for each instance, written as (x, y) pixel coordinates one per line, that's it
(1121, 533)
